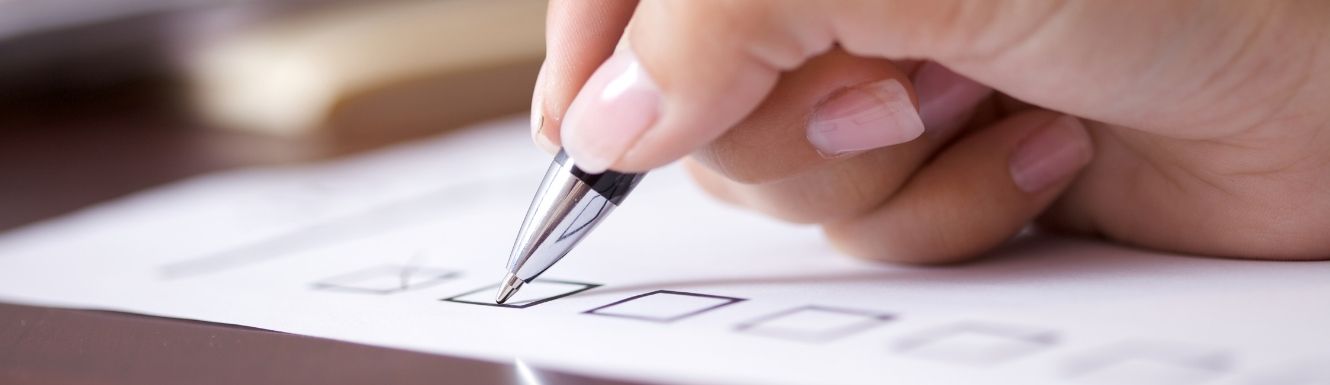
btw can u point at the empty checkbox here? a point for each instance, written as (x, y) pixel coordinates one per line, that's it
(814, 323)
(1140, 363)
(531, 294)
(977, 343)
(387, 279)
(664, 306)
(1311, 371)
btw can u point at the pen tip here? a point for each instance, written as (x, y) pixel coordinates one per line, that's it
(509, 287)
(505, 292)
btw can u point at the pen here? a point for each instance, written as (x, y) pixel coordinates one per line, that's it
(568, 205)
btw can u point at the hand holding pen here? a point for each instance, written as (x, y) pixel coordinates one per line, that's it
(932, 131)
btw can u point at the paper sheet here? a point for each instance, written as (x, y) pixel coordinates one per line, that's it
(402, 248)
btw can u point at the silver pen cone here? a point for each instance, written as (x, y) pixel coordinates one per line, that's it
(568, 204)
(509, 287)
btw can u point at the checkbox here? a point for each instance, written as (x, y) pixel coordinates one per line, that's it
(1309, 371)
(1149, 363)
(664, 306)
(977, 343)
(387, 279)
(530, 294)
(814, 324)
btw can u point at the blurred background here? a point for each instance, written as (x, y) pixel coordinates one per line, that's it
(99, 99)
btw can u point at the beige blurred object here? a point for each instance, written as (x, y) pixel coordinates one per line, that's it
(373, 69)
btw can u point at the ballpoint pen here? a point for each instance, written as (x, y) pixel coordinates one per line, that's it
(567, 206)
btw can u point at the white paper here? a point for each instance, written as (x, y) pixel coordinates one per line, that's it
(402, 248)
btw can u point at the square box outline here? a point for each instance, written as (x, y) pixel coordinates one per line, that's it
(872, 319)
(1310, 370)
(728, 301)
(1035, 335)
(585, 287)
(323, 284)
(1215, 361)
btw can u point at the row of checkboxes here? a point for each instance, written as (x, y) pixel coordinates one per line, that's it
(809, 323)
(969, 343)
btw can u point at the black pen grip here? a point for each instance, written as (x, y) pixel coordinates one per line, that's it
(614, 186)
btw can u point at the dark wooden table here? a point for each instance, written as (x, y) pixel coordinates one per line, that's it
(64, 152)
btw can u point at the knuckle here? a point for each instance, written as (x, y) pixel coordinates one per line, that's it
(742, 161)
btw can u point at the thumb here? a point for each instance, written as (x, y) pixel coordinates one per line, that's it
(692, 69)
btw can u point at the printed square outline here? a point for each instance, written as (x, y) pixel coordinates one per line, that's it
(728, 301)
(585, 287)
(328, 284)
(1215, 361)
(1033, 335)
(871, 320)
(1309, 370)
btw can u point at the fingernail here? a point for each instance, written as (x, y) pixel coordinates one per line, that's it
(538, 115)
(537, 103)
(610, 113)
(1050, 155)
(545, 144)
(946, 99)
(864, 117)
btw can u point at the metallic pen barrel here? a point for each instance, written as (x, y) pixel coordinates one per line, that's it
(568, 205)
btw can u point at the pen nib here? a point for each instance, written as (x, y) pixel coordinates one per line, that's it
(509, 287)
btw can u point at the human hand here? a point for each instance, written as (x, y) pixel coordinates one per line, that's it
(1180, 126)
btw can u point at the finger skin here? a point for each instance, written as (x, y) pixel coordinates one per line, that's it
(716, 60)
(579, 35)
(1259, 199)
(765, 163)
(1216, 108)
(770, 143)
(968, 199)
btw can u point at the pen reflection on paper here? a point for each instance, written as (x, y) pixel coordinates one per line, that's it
(524, 373)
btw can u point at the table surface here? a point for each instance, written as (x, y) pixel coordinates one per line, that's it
(67, 152)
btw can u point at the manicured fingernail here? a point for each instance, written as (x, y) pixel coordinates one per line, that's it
(537, 103)
(545, 144)
(538, 115)
(946, 99)
(1050, 155)
(864, 117)
(610, 113)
